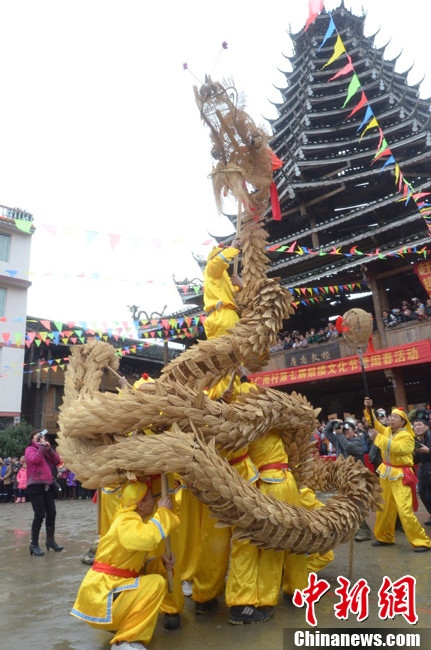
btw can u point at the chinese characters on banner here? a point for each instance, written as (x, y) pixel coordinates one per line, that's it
(394, 599)
(423, 271)
(388, 358)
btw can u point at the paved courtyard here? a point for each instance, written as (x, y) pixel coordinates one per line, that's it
(37, 593)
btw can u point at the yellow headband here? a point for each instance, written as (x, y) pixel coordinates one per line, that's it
(403, 414)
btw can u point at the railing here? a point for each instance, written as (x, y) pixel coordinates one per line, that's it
(338, 349)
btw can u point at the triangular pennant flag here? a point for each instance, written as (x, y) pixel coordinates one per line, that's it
(367, 117)
(46, 323)
(389, 161)
(314, 9)
(383, 147)
(90, 235)
(354, 85)
(331, 29)
(114, 239)
(370, 125)
(345, 70)
(339, 49)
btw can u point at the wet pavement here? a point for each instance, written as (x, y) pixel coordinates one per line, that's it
(37, 593)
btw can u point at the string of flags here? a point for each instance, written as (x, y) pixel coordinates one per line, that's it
(383, 151)
(352, 251)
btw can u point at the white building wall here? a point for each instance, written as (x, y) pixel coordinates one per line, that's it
(14, 276)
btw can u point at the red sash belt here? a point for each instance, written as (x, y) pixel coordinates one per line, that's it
(113, 570)
(409, 479)
(274, 466)
(238, 459)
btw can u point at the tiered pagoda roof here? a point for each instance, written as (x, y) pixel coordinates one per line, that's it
(331, 192)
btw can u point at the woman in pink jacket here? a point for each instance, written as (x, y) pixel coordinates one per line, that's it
(41, 459)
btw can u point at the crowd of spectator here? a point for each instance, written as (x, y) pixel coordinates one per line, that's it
(296, 339)
(13, 482)
(415, 310)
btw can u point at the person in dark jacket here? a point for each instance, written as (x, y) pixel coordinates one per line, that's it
(343, 436)
(422, 456)
(40, 457)
(348, 443)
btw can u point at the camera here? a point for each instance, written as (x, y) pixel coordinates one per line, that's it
(337, 425)
(42, 434)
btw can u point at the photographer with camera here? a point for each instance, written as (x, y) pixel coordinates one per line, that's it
(342, 434)
(421, 421)
(40, 459)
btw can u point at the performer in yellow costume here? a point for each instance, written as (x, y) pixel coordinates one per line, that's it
(397, 479)
(219, 290)
(125, 587)
(216, 547)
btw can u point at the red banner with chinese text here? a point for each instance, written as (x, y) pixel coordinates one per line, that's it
(404, 355)
(423, 271)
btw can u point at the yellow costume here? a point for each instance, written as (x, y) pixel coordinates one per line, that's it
(315, 561)
(109, 502)
(269, 455)
(395, 471)
(215, 543)
(189, 539)
(219, 293)
(123, 591)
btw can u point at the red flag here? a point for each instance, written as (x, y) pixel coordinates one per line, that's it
(275, 203)
(314, 9)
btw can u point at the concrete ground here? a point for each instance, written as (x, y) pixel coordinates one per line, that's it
(36, 593)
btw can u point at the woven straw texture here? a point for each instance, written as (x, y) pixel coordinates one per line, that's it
(172, 426)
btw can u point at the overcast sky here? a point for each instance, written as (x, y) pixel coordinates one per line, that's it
(102, 140)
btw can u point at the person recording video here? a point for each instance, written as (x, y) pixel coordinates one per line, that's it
(41, 459)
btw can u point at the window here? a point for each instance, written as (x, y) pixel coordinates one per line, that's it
(2, 302)
(4, 247)
(58, 398)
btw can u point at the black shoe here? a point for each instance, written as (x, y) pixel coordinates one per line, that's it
(206, 607)
(362, 537)
(287, 597)
(427, 522)
(35, 549)
(267, 609)
(377, 542)
(241, 614)
(171, 621)
(421, 549)
(51, 543)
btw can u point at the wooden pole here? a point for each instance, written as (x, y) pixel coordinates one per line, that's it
(238, 235)
(165, 490)
(119, 377)
(168, 551)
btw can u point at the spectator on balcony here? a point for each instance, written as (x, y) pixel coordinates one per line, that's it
(408, 315)
(420, 313)
(398, 315)
(300, 341)
(389, 319)
(288, 342)
(332, 331)
(428, 307)
(417, 304)
(406, 305)
(314, 336)
(278, 345)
